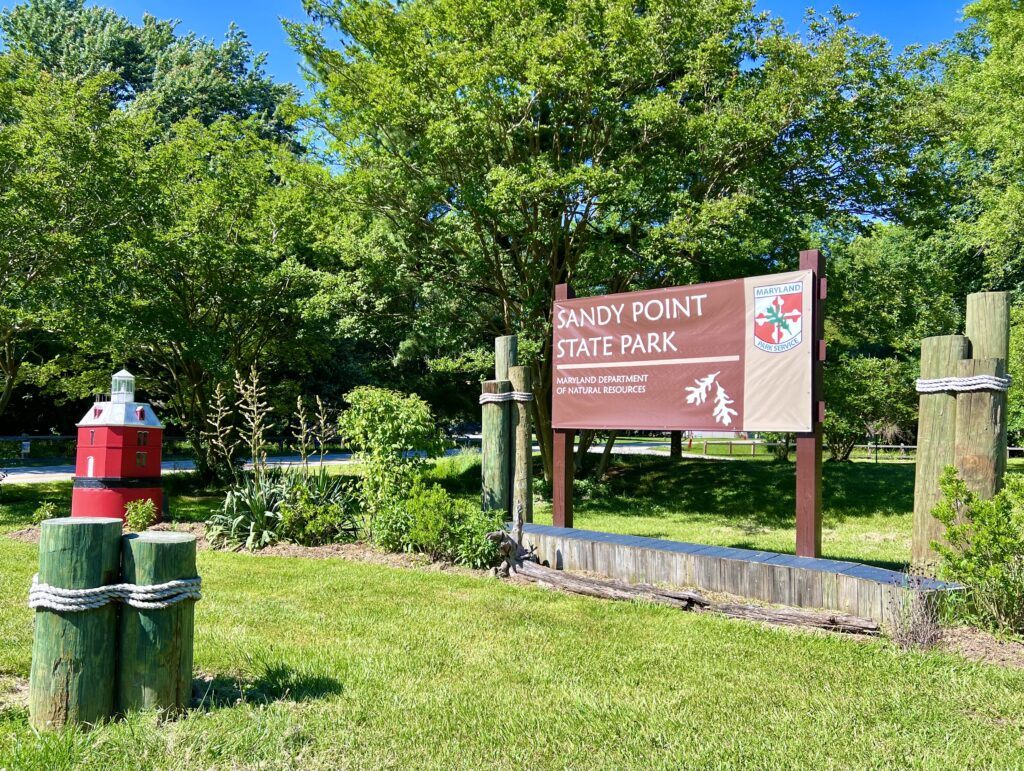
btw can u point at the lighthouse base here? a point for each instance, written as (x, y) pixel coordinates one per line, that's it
(91, 497)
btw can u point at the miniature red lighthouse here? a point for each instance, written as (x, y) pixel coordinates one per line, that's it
(119, 443)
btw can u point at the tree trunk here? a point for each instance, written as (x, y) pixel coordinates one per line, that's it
(606, 456)
(9, 366)
(676, 450)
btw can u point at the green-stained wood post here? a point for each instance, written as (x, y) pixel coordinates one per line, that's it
(494, 448)
(155, 668)
(521, 435)
(980, 453)
(936, 439)
(506, 355)
(74, 653)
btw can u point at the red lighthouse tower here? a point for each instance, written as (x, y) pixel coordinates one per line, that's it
(119, 444)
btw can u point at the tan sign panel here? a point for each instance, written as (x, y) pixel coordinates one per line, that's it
(726, 356)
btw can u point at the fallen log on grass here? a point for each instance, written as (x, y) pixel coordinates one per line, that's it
(518, 562)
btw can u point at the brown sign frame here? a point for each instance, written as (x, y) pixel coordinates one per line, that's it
(808, 443)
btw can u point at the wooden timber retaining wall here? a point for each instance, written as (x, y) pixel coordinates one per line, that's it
(802, 582)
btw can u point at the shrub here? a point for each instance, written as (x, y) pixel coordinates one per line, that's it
(139, 515)
(392, 434)
(251, 515)
(781, 443)
(319, 509)
(433, 522)
(984, 551)
(45, 510)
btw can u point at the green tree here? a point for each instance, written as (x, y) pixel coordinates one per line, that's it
(155, 69)
(867, 398)
(66, 205)
(219, 275)
(982, 113)
(507, 146)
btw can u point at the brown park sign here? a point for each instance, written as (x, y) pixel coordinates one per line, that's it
(728, 356)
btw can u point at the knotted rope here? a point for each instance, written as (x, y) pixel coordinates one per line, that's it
(142, 597)
(959, 384)
(508, 396)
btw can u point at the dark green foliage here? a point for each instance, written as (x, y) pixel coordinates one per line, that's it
(781, 443)
(984, 550)
(320, 509)
(432, 522)
(866, 397)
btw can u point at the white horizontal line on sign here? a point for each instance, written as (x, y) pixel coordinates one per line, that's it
(652, 363)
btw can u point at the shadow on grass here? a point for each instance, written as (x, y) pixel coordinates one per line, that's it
(276, 682)
(748, 494)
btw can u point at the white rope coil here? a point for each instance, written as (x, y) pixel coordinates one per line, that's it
(959, 384)
(508, 396)
(141, 597)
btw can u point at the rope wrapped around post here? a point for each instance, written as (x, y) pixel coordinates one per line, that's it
(963, 384)
(508, 396)
(150, 597)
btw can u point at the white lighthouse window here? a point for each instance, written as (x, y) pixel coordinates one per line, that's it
(90, 467)
(122, 387)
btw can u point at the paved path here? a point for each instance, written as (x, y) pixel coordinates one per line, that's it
(64, 473)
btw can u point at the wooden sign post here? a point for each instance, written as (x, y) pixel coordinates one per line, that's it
(808, 443)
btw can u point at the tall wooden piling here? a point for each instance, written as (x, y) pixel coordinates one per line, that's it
(522, 446)
(494, 445)
(74, 652)
(936, 440)
(506, 355)
(988, 325)
(155, 668)
(981, 415)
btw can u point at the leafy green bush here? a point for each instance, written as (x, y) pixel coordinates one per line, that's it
(781, 443)
(866, 396)
(392, 435)
(251, 515)
(984, 551)
(319, 509)
(45, 510)
(139, 515)
(433, 522)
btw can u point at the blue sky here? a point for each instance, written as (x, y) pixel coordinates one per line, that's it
(903, 22)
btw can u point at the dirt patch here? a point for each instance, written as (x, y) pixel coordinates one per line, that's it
(13, 692)
(25, 535)
(976, 645)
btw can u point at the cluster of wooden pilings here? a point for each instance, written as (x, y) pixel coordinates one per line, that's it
(89, 665)
(965, 429)
(507, 435)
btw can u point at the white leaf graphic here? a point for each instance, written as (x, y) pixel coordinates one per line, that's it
(699, 392)
(723, 413)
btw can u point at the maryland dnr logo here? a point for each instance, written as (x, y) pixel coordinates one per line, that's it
(778, 316)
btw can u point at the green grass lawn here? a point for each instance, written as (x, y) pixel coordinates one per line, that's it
(317, 664)
(320, 664)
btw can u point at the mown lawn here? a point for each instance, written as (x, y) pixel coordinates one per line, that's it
(322, 664)
(317, 664)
